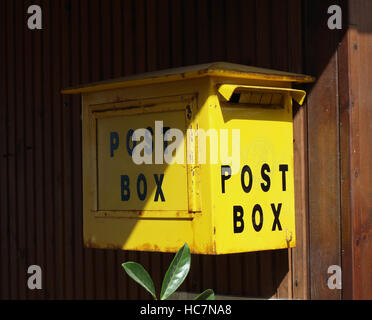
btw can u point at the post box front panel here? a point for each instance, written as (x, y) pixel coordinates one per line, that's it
(150, 185)
(255, 204)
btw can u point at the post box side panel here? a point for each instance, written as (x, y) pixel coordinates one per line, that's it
(165, 234)
(254, 206)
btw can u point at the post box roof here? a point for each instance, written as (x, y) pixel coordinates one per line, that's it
(224, 69)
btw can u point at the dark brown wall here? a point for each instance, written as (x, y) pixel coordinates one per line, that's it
(40, 137)
(339, 131)
(358, 112)
(323, 143)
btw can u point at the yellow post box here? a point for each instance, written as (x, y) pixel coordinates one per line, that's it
(200, 154)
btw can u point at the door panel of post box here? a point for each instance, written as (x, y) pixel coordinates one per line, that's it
(125, 185)
(140, 160)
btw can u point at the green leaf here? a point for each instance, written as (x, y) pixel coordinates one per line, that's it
(177, 272)
(205, 295)
(140, 275)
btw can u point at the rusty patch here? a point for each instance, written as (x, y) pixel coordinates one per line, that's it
(148, 247)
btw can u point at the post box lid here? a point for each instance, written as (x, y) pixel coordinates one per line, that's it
(224, 69)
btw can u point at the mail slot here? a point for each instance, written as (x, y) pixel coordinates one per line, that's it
(200, 154)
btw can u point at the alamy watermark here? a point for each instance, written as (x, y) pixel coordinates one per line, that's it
(335, 279)
(34, 20)
(335, 20)
(168, 146)
(34, 281)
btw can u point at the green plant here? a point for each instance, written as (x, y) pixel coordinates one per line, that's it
(175, 275)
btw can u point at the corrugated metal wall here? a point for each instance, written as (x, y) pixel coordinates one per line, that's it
(40, 137)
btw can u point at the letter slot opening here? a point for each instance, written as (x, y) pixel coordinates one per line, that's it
(270, 97)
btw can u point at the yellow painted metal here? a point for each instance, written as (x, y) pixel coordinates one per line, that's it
(266, 137)
(197, 203)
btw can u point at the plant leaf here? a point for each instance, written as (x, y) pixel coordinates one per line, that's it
(205, 295)
(138, 273)
(177, 272)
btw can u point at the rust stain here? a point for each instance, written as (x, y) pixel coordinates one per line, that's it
(148, 247)
(155, 248)
(89, 243)
(113, 246)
